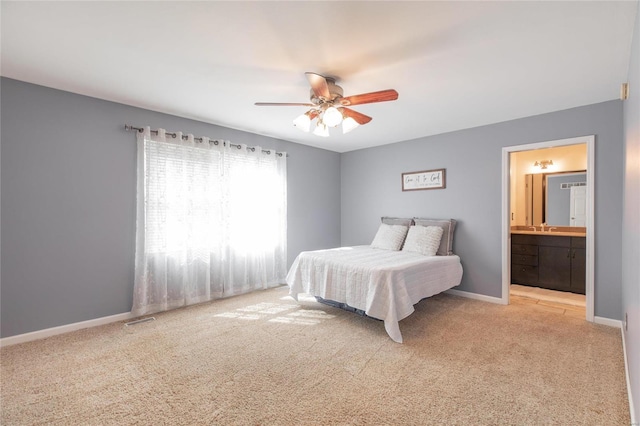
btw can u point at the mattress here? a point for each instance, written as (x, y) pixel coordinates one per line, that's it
(385, 284)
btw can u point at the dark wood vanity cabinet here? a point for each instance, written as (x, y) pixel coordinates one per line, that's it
(524, 263)
(578, 264)
(546, 261)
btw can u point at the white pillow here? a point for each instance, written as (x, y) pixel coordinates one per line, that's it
(389, 237)
(448, 226)
(423, 239)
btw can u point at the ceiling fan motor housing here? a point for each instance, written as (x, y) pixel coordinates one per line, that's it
(334, 90)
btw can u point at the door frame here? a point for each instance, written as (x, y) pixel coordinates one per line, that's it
(506, 209)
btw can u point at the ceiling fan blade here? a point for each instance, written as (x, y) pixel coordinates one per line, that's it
(368, 98)
(360, 118)
(318, 85)
(283, 104)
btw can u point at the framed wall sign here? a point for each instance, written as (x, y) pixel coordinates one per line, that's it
(426, 179)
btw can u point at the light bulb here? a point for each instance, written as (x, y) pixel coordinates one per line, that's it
(303, 122)
(332, 117)
(349, 124)
(321, 130)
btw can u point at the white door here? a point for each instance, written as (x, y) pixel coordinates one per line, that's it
(578, 206)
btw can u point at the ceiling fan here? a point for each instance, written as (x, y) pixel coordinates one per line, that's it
(330, 106)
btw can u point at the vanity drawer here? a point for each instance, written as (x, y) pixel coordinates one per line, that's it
(524, 249)
(524, 239)
(523, 259)
(524, 274)
(578, 242)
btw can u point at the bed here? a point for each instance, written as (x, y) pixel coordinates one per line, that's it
(382, 280)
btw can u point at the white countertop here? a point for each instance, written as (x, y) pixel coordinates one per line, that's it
(552, 233)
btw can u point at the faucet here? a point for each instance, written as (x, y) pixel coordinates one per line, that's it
(533, 227)
(542, 227)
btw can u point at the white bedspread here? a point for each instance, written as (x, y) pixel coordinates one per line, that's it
(384, 284)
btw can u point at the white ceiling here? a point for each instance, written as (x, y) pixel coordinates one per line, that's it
(455, 65)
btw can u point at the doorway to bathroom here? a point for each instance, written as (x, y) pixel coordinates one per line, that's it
(548, 225)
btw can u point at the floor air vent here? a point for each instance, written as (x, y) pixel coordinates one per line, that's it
(140, 321)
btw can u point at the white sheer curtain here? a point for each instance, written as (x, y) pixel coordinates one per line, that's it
(211, 220)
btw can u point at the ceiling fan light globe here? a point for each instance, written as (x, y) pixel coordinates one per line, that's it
(348, 125)
(303, 122)
(332, 117)
(321, 130)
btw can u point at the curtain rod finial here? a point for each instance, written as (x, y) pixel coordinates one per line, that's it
(129, 127)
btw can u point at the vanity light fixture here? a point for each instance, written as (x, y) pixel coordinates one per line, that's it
(543, 164)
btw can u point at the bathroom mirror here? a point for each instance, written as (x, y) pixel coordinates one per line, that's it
(557, 199)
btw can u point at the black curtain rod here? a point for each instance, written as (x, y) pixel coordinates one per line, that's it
(129, 127)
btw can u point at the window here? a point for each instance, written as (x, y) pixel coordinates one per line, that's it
(211, 220)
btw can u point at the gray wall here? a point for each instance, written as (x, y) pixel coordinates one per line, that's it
(631, 221)
(68, 202)
(472, 157)
(68, 198)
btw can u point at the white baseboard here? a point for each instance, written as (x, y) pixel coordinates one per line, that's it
(632, 413)
(608, 321)
(475, 296)
(54, 331)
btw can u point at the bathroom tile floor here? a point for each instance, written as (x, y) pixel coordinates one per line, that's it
(549, 300)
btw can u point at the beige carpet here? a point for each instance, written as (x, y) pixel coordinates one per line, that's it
(262, 359)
